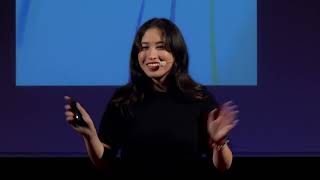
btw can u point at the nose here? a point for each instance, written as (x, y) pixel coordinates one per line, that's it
(152, 54)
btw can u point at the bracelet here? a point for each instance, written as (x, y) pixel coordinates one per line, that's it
(220, 147)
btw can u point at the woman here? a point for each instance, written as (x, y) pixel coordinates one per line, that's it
(161, 122)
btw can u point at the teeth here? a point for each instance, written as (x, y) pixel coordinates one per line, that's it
(153, 64)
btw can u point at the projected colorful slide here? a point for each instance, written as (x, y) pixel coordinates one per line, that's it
(87, 43)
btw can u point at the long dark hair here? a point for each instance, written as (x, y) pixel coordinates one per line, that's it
(178, 80)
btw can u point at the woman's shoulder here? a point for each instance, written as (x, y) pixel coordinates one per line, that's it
(123, 90)
(204, 93)
(209, 100)
(121, 95)
(208, 92)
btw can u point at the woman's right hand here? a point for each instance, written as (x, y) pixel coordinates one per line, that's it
(87, 132)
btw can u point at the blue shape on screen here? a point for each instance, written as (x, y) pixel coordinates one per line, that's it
(236, 41)
(82, 43)
(140, 15)
(22, 15)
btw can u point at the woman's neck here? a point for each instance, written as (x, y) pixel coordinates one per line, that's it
(159, 85)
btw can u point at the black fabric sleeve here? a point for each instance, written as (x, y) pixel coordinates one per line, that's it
(111, 127)
(207, 105)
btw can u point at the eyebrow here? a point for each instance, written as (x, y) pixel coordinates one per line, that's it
(159, 42)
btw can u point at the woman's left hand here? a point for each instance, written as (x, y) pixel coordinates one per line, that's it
(220, 126)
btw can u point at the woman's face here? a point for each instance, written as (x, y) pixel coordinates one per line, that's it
(155, 61)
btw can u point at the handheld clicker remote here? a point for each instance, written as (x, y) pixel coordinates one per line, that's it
(77, 115)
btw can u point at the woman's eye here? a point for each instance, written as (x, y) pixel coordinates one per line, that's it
(144, 48)
(161, 47)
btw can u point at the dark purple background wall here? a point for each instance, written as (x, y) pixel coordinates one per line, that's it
(279, 117)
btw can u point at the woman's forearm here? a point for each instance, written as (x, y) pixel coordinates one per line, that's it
(222, 158)
(95, 149)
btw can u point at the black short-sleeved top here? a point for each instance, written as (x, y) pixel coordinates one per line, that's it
(163, 131)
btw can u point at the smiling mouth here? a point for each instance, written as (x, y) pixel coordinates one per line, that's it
(154, 66)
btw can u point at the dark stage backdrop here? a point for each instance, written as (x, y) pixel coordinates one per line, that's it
(278, 117)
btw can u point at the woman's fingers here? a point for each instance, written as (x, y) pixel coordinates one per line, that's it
(67, 107)
(82, 110)
(67, 98)
(69, 113)
(212, 114)
(69, 118)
